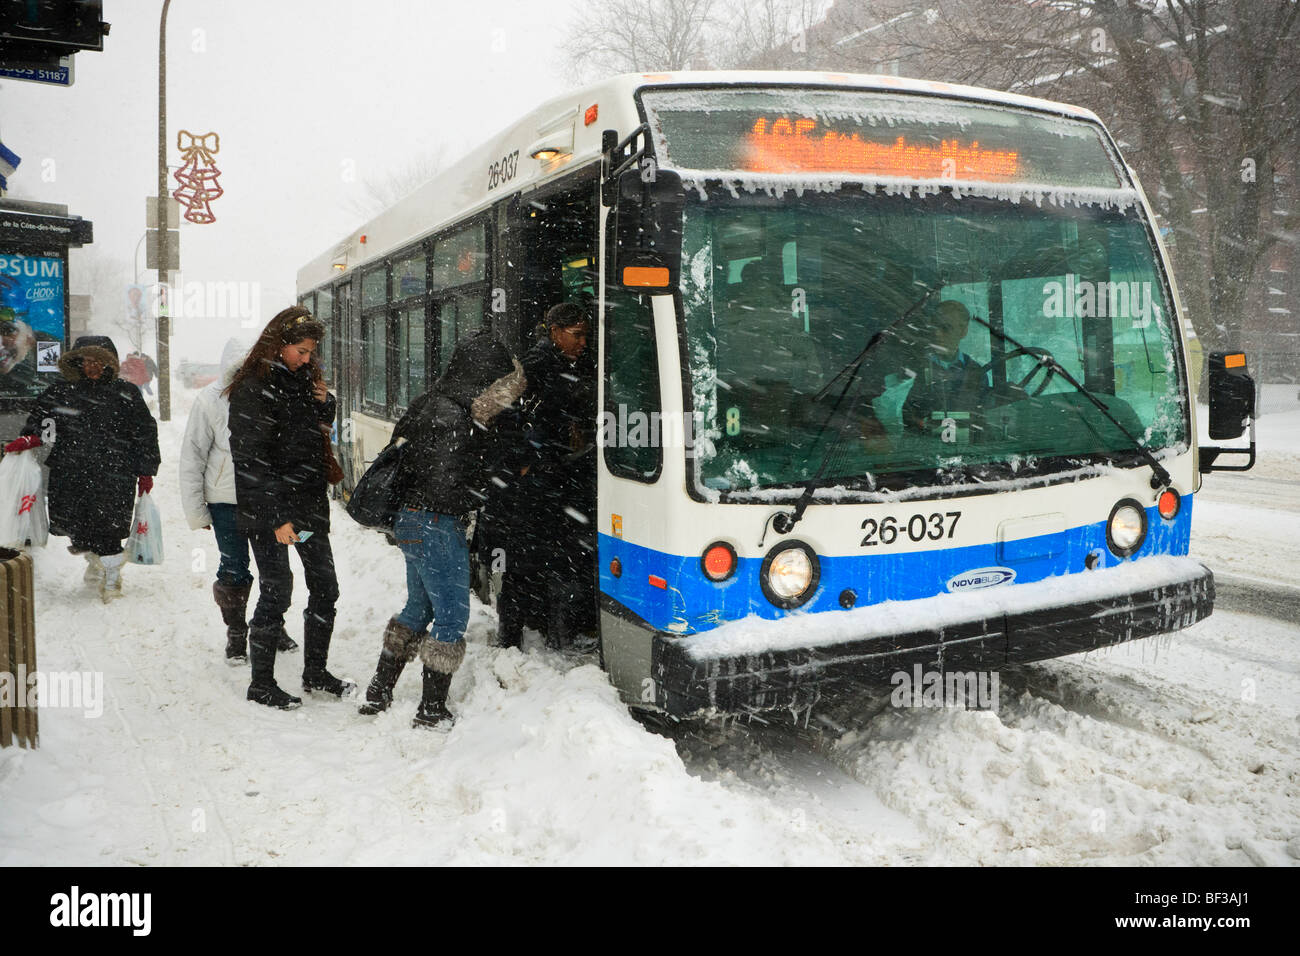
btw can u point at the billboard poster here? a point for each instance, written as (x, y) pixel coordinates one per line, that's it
(32, 320)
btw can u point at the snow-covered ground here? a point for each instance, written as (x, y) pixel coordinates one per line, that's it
(1179, 750)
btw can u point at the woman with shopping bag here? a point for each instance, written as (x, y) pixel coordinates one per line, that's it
(104, 451)
(278, 405)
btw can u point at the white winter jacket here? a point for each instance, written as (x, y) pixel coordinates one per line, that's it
(207, 471)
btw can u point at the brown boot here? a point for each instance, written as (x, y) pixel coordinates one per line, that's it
(233, 602)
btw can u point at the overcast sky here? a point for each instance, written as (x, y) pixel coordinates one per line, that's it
(311, 99)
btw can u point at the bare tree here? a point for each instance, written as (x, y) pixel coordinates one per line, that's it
(1202, 94)
(769, 34)
(105, 280)
(381, 192)
(638, 36)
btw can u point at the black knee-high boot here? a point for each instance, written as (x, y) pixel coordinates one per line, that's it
(261, 652)
(316, 648)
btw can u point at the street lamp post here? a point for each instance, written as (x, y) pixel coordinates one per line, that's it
(164, 320)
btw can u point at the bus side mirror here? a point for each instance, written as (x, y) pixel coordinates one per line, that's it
(648, 229)
(1232, 395)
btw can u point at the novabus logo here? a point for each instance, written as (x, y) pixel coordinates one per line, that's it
(981, 578)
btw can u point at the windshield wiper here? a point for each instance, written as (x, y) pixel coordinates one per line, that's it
(784, 521)
(1160, 479)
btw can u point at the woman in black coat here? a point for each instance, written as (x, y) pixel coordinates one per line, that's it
(105, 450)
(279, 407)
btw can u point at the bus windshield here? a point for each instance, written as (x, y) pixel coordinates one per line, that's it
(974, 300)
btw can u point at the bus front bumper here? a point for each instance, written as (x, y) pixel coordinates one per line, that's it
(748, 666)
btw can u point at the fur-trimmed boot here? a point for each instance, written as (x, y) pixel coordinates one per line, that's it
(261, 654)
(441, 659)
(110, 587)
(233, 602)
(316, 640)
(400, 645)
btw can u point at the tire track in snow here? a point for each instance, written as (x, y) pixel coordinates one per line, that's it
(138, 750)
(1081, 764)
(789, 766)
(178, 773)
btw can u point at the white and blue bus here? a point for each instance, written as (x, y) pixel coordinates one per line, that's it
(793, 493)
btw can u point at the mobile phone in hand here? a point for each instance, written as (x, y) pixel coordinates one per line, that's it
(303, 536)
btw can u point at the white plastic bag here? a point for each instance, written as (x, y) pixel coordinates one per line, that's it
(22, 506)
(144, 545)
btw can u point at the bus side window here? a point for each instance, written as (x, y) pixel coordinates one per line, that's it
(631, 431)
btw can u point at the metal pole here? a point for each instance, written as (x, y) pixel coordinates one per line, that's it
(164, 320)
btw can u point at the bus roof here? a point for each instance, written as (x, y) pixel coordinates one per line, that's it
(504, 165)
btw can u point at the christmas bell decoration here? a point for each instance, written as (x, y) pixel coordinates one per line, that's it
(198, 175)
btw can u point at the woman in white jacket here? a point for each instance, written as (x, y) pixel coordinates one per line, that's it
(208, 496)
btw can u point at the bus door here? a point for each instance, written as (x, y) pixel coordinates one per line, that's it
(559, 231)
(550, 258)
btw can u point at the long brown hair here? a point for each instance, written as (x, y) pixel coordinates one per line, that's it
(289, 326)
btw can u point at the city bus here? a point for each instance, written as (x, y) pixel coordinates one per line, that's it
(793, 490)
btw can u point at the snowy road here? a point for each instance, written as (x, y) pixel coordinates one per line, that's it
(1180, 749)
(1255, 561)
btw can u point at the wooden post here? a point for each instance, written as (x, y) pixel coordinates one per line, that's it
(18, 717)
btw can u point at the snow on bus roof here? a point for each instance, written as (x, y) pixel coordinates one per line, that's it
(865, 81)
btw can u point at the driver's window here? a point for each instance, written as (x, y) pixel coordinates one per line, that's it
(1035, 314)
(955, 379)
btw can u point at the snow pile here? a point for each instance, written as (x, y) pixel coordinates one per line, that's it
(1107, 758)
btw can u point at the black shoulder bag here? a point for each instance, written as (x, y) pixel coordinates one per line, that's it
(378, 494)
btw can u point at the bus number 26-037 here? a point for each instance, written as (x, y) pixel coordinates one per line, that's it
(935, 526)
(503, 170)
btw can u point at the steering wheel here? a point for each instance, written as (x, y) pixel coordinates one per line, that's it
(1045, 362)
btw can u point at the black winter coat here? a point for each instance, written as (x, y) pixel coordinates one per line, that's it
(448, 455)
(530, 514)
(279, 452)
(103, 438)
(559, 403)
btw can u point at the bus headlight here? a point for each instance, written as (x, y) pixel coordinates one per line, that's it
(1127, 527)
(789, 574)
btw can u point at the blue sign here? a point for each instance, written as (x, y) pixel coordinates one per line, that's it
(32, 319)
(54, 74)
(31, 290)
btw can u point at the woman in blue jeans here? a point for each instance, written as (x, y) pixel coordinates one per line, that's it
(449, 449)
